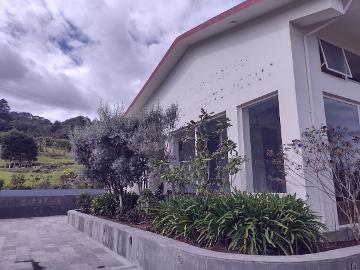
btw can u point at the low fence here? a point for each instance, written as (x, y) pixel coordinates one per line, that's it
(45, 202)
(155, 252)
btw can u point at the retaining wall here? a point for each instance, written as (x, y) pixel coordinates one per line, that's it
(155, 252)
(31, 203)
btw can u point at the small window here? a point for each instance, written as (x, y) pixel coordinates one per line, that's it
(354, 64)
(334, 59)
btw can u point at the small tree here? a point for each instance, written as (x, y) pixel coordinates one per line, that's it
(327, 159)
(18, 147)
(116, 148)
(150, 139)
(17, 181)
(196, 171)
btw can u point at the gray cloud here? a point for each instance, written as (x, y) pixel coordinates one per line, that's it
(59, 58)
(12, 66)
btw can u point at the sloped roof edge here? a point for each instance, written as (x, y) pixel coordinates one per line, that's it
(184, 36)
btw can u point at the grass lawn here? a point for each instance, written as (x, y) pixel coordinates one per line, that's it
(67, 165)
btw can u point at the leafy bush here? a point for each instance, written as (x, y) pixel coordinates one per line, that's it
(263, 223)
(84, 201)
(44, 183)
(136, 215)
(17, 181)
(104, 205)
(147, 200)
(2, 182)
(130, 201)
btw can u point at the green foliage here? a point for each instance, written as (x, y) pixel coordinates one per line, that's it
(104, 205)
(17, 146)
(84, 201)
(109, 149)
(147, 200)
(17, 181)
(45, 143)
(130, 201)
(5, 116)
(37, 126)
(261, 223)
(43, 183)
(225, 158)
(2, 182)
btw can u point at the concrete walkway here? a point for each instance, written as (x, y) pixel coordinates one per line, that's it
(49, 243)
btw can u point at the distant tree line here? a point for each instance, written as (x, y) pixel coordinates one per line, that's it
(18, 149)
(37, 126)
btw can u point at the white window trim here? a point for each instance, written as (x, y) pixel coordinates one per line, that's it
(347, 76)
(346, 101)
(246, 144)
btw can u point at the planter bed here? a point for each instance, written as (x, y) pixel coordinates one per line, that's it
(155, 252)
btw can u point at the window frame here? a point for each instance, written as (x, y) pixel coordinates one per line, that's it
(342, 100)
(246, 138)
(347, 76)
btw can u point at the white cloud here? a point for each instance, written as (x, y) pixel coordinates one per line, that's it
(67, 55)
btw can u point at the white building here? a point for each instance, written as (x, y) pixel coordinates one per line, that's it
(274, 67)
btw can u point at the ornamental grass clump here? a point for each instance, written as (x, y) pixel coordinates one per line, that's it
(259, 224)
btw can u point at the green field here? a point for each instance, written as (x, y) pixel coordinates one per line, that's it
(65, 165)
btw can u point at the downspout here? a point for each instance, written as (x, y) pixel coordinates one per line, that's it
(309, 83)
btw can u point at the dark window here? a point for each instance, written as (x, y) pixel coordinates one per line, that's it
(354, 64)
(213, 144)
(341, 115)
(265, 135)
(334, 58)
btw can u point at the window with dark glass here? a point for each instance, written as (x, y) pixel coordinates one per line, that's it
(213, 144)
(354, 64)
(265, 135)
(334, 58)
(339, 62)
(343, 117)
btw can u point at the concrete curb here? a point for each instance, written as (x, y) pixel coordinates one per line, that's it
(155, 252)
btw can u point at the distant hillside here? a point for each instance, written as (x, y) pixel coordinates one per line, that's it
(35, 125)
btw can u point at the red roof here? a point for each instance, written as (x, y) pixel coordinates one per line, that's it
(187, 34)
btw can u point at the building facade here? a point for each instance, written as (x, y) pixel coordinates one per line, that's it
(274, 68)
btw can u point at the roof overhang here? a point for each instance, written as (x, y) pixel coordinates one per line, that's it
(244, 12)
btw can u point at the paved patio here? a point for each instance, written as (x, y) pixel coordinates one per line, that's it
(49, 243)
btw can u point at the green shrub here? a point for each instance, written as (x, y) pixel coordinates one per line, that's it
(44, 183)
(2, 182)
(84, 201)
(129, 201)
(136, 215)
(17, 181)
(104, 205)
(263, 223)
(147, 200)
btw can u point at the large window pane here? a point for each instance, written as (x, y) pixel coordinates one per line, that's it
(334, 58)
(341, 115)
(265, 135)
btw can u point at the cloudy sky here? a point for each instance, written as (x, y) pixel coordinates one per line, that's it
(59, 58)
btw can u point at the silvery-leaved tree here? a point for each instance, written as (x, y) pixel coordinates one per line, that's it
(116, 148)
(327, 159)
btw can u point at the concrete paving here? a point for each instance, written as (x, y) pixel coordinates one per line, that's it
(49, 243)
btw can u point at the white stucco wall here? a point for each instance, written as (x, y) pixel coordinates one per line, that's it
(311, 104)
(228, 71)
(252, 61)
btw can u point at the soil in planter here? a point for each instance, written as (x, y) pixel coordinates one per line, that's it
(146, 226)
